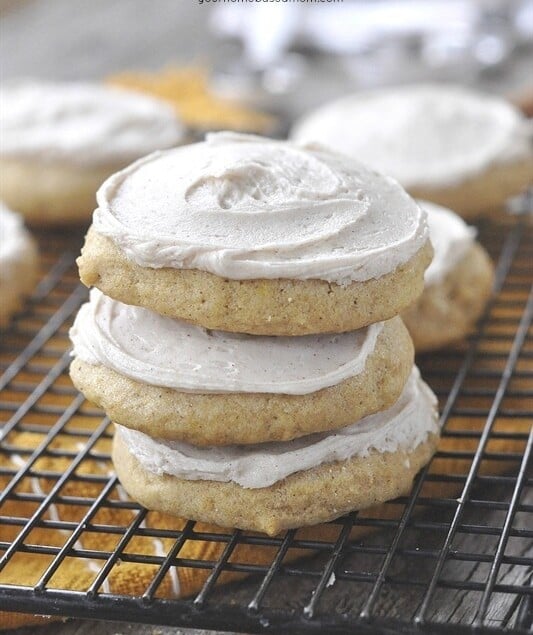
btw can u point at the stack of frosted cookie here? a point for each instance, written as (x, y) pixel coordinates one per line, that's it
(244, 335)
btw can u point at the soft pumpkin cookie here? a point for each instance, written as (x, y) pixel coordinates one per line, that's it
(276, 486)
(176, 381)
(251, 235)
(18, 263)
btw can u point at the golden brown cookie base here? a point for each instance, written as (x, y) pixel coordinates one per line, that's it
(448, 311)
(226, 418)
(51, 193)
(12, 292)
(305, 498)
(261, 307)
(482, 195)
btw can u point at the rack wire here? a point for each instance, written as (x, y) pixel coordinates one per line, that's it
(454, 556)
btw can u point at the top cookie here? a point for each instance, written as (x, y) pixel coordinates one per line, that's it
(248, 234)
(446, 144)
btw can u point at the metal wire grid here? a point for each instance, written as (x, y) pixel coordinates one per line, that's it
(451, 562)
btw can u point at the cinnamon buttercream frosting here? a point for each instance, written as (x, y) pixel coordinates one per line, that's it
(403, 426)
(451, 238)
(83, 123)
(424, 135)
(163, 351)
(18, 260)
(15, 240)
(245, 207)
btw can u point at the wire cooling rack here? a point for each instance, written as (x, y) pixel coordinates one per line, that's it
(454, 556)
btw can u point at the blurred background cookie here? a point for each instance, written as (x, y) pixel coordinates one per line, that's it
(457, 283)
(60, 141)
(448, 144)
(18, 263)
(189, 92)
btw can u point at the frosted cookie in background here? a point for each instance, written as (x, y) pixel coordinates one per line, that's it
(60, 141)
(246, 234)
(18, 263)
(447, 144)
(457, 283)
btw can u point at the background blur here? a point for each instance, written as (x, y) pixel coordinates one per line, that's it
(281, 56)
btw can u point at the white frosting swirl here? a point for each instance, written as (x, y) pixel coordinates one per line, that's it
(433, 135)
(451, 238)
(245, 207)
(87, 124)
(403, 426)
(162, 351)
(14, 238)
(16, 246)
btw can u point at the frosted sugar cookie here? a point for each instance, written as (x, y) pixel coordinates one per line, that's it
(173, 380)
(247, 234)
(60, 141)
(448, 144)
(276, 486)
(458, 283)
(18, 263)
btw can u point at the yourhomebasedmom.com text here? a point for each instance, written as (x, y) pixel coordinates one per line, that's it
(256, 1)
